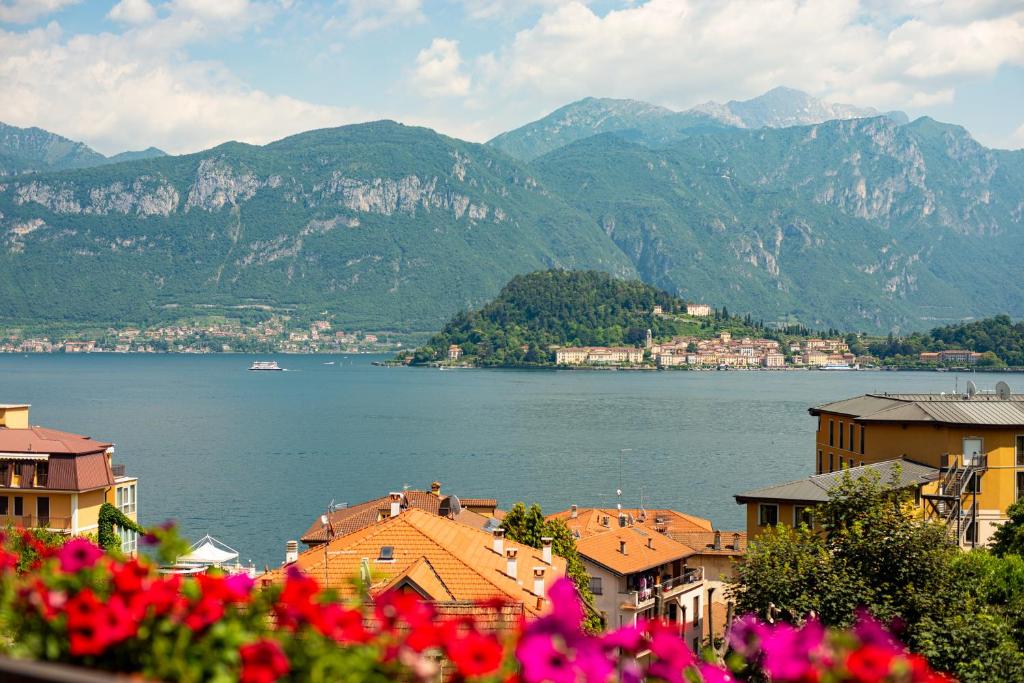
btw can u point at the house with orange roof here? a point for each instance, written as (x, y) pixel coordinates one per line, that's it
(59, 480)
(453, 565)
(482, 513)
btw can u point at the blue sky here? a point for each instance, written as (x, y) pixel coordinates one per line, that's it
(184, 75)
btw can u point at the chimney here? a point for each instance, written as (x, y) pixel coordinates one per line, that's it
(435, 488)
(291, 552)
(396, 503)
(545, 553)
(622, 547)
(735, 541)
(499, 541)
(574, 512)
(538, 581)
(718, 540)
(510, 563)
(622, 519)
(650, 543)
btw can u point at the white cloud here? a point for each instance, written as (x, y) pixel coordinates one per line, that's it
(132, 12)
(366, 16)
(137, 89)
(498, 9)
(27, 11)
(214, 9)
(439, 72)
(680, 52)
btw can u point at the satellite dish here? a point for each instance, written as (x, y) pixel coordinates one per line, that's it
(455, 504)
(1003, 391)
(972, 388)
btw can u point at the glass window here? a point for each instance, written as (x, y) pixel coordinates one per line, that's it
(821, 461)
(803, 514)
(1020, 486)
(842, 437)
(19, 506)
(696, 612)
(862, 439)
(851, 436)
(42, 474)
(129, 540)
(595, 585)
(767, 514)
(831, 432)
(831, 462)
(1020, 451)
(4, 501)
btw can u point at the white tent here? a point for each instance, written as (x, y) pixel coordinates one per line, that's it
(209, 551)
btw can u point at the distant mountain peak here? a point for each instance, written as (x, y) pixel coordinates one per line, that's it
(35, 150)
(782, 107)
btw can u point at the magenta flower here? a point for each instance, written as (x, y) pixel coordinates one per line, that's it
(565, 603)
(543, 662)
(78, 554)
(710, 673)
(871, 632)
(239, 586)
(746, 634)
(789, 653)
(628, 638)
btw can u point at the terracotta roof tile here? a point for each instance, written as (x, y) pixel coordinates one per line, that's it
(644, 549)
(453, 559)
(589, 521)
(704, 541)
(43, 440)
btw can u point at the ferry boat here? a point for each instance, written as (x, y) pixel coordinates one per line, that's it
(839, 366)
(266, 365)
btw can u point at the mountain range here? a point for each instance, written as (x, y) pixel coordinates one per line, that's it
(34, 150)
(783, 206)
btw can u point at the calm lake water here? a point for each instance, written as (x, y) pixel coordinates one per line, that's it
(254, 457)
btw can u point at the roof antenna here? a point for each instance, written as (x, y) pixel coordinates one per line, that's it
(618, 491)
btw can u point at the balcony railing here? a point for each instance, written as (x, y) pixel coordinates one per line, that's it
(118, 469)
(645, 598)
(35, 522)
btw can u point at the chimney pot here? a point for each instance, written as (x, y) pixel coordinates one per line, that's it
(546, 542)
(291, 552)
(499, 541)
(538, 582)
(718, 540)
(735, 541)
(622, 547)
(650, 543)
(511, 568)
(622, 519)
(574, 511)
(435, 488)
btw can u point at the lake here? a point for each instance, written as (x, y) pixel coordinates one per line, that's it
(254, 457)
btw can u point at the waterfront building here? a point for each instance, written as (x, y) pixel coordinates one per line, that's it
(599, 355)
(699, 310)
(454, 566)
(974, 441)
(774, 359)
(959, 356)
(793, 503)
(454, 352)
(59, 480)
(344, 519)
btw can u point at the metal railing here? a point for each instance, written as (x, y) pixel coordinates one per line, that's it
(958, 486)
(118, 469)
(638, 598)
(35, 522)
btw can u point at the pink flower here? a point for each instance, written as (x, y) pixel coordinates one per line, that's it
(745, 635)
(238, 587)
(789, 653)
(78, 554)
(566, 607)
(543, 662)
(871, 632)
(714, 674)
(628, 638)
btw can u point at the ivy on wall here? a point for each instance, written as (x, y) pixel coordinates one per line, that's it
(110, 516)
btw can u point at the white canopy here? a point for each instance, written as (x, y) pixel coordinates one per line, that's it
(208, 550)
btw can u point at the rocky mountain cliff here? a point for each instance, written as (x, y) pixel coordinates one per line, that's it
(34, 150)
(651, 125)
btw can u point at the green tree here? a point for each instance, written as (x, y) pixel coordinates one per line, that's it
(528, 526)
(1009, 536)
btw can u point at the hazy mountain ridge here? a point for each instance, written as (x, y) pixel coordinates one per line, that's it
(34, 150)
(654, 126)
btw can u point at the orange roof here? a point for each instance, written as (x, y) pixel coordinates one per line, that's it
(349, 519)
(589, 521)
(43, 440)
(704, 541)
(443, 559)
(644, 549)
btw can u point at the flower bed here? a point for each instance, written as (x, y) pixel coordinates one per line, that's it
(76, 604)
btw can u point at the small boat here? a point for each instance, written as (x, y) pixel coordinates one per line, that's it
(330, 362)
(270, 365)
(839, 366)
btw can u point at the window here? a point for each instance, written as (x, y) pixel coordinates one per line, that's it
(973, 449)
(1020, 451)
(42, 474)
(126, 499)
(862, 439)
(767, 514)
(129, 540)
(803, 514)
(851, 462)
(851, 436)
(1020, 488)
(4, 469)
(831, 462)
(19, 506)
(842, 436)
(4, 500)
(595, 586)
(831, 432)
(696, 611)
(821, 461)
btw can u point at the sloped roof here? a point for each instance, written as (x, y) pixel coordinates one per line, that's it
(450, 561)
(815, 488)
(703, 542)
(645, 548)
(349, 519)
(44, 440)
(590, 521)
(979, 410)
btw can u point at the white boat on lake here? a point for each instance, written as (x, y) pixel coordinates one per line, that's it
(266, 365)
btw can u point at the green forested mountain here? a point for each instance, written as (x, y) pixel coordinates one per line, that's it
(998, 336)
(857, 224)
(34, 150)
(384, 226)
(564, 308)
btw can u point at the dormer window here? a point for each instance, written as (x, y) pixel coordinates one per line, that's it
(387, 554)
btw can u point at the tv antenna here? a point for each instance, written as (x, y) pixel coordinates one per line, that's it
(1003, 391)
(972, 388)
(618, 491)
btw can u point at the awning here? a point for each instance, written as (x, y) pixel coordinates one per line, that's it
(25, 456)
(207, 551)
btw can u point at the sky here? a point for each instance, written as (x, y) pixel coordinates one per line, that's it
(184, 75)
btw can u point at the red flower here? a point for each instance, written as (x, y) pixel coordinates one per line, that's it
(295, 605)
(130, 577)
(342, 625)
(78, 554)
(870, 663)
(262, 662)
(475, 654)
(87, 640)
(8, 561)
(395, 606)
(203, 613)
(93, 626)
(83, 608)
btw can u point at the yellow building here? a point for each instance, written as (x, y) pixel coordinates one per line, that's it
(974, 441)
(59, 480)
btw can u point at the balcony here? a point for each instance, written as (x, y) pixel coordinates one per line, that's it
(117, 470)
(36, 522)
(642, 599)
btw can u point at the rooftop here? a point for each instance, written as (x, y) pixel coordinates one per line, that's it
(43, 440)
(590, 521)
(443, 560)
(954, 408)
(644, 549)
(815, 488)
